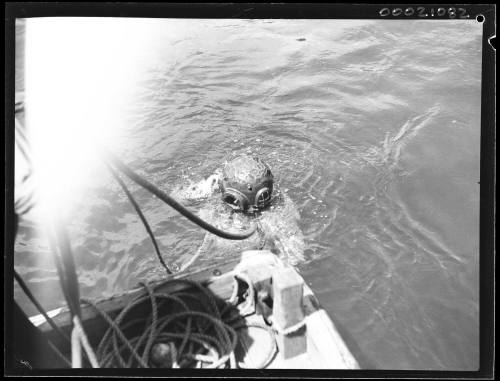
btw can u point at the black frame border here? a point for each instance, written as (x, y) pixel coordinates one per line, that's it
(284, 11)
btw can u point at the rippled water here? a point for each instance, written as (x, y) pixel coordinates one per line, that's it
(373, 131)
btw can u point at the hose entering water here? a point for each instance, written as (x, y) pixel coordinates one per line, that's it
(114, 160)
(141, 216)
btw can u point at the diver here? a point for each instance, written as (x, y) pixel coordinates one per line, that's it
(240, 195)
(247, 184)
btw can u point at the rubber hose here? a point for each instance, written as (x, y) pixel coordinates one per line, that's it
(172, 202)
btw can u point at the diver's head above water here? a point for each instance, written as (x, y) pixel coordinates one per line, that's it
(247, 184)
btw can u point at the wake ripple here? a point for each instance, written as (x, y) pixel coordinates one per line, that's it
(392, 146)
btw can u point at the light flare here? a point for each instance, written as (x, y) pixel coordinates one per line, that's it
(80, 76)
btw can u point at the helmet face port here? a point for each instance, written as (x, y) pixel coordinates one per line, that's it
(247, 184)
(235, 199)
(263, 197)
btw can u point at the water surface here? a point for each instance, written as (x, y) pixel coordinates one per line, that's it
(372, 129)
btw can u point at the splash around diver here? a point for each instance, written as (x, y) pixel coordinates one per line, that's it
(240, 193)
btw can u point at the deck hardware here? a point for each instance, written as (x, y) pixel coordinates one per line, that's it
(288, 315)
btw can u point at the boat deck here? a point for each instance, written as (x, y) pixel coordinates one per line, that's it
(316, 344)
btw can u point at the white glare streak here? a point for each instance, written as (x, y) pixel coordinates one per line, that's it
(80, 75)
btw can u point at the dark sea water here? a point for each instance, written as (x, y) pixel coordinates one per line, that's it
(372, 129)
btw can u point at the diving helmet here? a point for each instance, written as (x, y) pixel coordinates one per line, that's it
(247, 184)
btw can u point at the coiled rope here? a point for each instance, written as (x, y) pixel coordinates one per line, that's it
(201, 332)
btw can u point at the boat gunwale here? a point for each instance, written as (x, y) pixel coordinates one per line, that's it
(325, 340)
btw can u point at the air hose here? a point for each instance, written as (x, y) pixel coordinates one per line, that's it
(141, 216)
(117, 163)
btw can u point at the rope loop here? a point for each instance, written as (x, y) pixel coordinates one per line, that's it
(187, 328)
(289, 330)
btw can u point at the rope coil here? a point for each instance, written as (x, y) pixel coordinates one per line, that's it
(201, 336)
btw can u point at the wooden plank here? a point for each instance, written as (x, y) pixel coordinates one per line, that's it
(288, 291)
(287, 312)
(325, 347)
